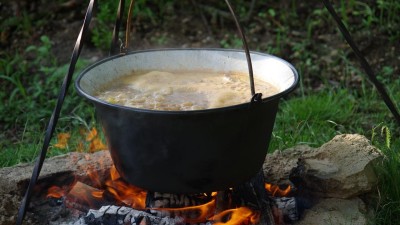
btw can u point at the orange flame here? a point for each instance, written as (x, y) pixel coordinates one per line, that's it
(55, 192)
(114, 173)
(97, 194)
(128, 194)
(276, 191)
(94, 177)
(238, 216)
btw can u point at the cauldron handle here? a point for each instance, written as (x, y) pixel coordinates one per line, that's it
(255, 96)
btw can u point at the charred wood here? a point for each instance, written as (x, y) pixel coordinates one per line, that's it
(166, 200)
(223, 201)
(253, 194)
(83, 197)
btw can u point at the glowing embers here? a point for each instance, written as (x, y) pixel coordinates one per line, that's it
(242, 215)
(125, 193)
(275, 190)
(55, 192)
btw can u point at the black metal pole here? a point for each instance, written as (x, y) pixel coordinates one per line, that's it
(364, 63)
(114, 49)
(55, 115)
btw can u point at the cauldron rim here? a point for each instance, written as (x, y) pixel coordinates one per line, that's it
(95, 100)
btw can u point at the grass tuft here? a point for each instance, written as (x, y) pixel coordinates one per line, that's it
(312, 119)
(388, 210)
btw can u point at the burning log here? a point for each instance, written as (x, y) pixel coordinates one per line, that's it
(165, 200)
(83, 197)
(253, 194)
(192, 207)
(223, 201)
(248, 203)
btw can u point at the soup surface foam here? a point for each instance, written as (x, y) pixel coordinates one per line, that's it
(182, 91)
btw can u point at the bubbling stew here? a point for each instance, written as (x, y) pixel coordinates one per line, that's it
(181, 91)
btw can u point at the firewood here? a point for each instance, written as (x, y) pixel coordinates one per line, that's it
(252, 194)
(82, 198)
(166, 200)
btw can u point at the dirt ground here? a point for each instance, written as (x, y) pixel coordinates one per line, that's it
(189, 25)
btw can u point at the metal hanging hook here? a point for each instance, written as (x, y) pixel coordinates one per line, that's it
(246, 49)
(364, 63)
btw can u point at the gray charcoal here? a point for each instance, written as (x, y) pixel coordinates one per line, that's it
(145, 221)
(166, 203)
(160, 213)
(187, 201)
(172, 201)
(117, 215)
(158, 204)
(166, 200)
(81, 221)
(157, 195)
(288, 206)
(166, 195)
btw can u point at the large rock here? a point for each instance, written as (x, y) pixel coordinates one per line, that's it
(341, 168)
(336, 212)
(8, 208)
(278, 165)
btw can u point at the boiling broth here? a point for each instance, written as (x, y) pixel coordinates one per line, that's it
(180, 91)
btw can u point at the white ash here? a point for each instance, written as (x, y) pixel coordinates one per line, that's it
(287, 207)
(121, 215)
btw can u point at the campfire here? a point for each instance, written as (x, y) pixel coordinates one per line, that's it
(329, 185)
(111, 200)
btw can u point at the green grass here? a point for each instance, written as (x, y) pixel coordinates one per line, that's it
(313, 119)
(31, 85)
(388, 201)
(150, 12)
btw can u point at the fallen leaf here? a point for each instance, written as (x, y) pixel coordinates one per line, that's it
(80, 147)
(96, 145)
(91, 135)
(62, 140)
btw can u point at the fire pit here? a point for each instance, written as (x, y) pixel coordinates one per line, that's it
(78, 186)
(105, 198)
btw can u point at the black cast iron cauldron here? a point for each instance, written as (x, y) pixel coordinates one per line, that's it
(188, 151)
